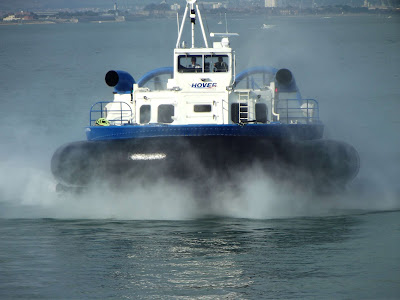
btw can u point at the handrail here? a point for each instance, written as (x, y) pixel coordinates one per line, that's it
(303, 110)
(104, 112)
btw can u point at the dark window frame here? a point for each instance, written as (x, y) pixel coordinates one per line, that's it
(261, 113)
(142, 114)
(207, 63)
(165, 112)
(186, 68)
(202, 108)
(215, 69)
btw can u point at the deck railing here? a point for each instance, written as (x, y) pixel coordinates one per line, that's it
(116, 112)
(294, 111)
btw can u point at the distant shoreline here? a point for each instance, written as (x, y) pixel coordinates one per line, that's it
(26, 23)
(75, 21)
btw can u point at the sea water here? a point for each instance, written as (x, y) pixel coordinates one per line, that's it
(262, 240)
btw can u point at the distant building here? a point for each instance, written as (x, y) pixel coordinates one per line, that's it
(44, 14)
(270, 3)
(116, 10)
(214, 5)
(11, 18)
(217, 5)
(27, 18)
(175, 6)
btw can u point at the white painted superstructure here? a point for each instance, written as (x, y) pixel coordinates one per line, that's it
(204, 91)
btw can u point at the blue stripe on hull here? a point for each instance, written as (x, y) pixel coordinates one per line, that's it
(273, 131)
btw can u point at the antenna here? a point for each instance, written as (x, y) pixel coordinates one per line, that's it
(226, 34)
(177, 21)
(226, 24)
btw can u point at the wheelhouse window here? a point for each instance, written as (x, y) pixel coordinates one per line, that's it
(218, 63)
(145, 113)
(203, 63)
(190, 63)
(165, 113)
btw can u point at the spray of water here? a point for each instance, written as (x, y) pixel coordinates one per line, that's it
(29, 192)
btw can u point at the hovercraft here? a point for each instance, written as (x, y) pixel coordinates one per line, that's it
(199, 119)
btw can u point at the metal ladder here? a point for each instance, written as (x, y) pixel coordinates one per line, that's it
(244, 107)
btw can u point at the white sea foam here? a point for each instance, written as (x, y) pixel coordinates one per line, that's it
(30, 193)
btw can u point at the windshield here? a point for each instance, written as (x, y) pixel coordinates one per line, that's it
(203, 63)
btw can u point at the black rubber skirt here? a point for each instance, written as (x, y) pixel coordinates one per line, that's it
(321, 162)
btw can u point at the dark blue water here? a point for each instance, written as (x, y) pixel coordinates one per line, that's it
(156, 240)
(339, 257)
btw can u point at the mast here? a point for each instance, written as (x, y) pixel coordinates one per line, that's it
(193, 7)
(192, 18)
(201, 26)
